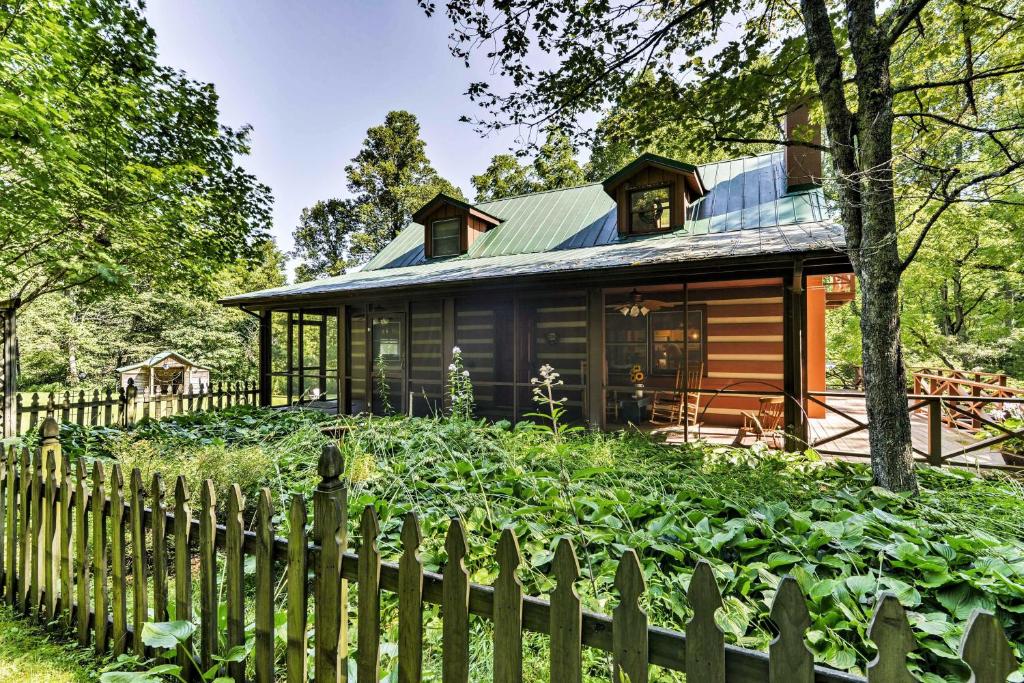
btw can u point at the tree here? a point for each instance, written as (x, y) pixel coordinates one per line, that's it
(114, 168)
(68, 342)
(504, 177)
(389, 179)
(554, 167)
(927, 74)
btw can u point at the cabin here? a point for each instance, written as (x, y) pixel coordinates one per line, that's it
(167, 372)
(711, 280)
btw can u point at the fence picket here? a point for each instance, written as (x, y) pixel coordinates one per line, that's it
(140, 584)
(297, 594)
(566, 616)
(11, 527)
(789, 659)
(893, 638)
(508, 612)
(629, 623)
(67, 533)
(330, 619)
(264, 662)
(985, 649)
(207, 575)
(182, 566)
(410, 603)
(25, 531)
(51, 538)
(158, 521)
(368, 585)
(235, 571)
(36, 547)
(705, 643)
(119, 594)
(82, 560)
(99, 557)
(455, 608)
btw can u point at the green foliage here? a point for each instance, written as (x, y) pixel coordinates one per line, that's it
(168, 638)
(554, 167)
(381, 385)
(29, 653)
(389, 179)
(68, 342)
(755, 514)
(115, 167)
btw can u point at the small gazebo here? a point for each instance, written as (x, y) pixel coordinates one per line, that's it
(166, 372)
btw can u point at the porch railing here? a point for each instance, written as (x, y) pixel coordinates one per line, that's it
(67, 544)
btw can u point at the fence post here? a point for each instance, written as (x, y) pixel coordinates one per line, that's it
(50, 442)
(330, 531)
(935, 431)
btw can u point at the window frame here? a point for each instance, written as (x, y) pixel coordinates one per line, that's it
(703, 348)
(459, 222)
(632, 192)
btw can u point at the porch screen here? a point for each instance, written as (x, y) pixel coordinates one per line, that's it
(484, 331)
(357, 362)
(426, 376)
(553, 331)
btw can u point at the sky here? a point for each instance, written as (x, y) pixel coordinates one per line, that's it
(310, 77)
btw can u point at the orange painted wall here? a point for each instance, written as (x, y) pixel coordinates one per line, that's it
(815, 342)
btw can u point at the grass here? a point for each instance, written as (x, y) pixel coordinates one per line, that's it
(29, 654)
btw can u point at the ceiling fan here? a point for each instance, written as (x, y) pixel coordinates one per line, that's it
(637, 305)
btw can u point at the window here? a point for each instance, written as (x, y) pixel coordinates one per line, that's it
(650, 209)
(444, 236)
(668, 329)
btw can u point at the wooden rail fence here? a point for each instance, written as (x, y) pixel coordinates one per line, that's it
(125, 407)
(99, 554)
(969, 395)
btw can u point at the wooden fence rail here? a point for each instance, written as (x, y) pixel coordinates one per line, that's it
(127, 406)
(968, 395)
(89, 552)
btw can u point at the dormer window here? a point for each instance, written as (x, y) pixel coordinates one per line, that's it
(650, 209)
(652, 194)
(451, 226)
(445, 237)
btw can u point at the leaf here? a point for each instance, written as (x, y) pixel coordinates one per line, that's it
(781, 559)
(128, 677)
(166, 635)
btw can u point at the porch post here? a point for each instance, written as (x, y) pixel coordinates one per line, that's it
(595, 358)
(794, 341)
(266, 339)
(342, 362)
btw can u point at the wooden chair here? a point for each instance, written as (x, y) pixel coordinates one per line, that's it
(671, 407)
(767, 422)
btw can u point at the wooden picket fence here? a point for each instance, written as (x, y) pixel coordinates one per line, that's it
(91, 552)
(125, 407)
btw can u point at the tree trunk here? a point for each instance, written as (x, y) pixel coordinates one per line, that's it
(861, 147)
(876, 257)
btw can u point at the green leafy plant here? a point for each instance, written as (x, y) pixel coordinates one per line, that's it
(382, 388)
(554, 408)
(460, 388)
(169, 638)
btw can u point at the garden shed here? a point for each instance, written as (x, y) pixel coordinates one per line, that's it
(166, 372)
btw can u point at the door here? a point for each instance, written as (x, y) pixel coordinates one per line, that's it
(387, 353)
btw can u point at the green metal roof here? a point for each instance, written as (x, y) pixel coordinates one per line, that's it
(746, 211)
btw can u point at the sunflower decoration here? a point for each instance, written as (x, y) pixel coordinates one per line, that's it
(636, 375)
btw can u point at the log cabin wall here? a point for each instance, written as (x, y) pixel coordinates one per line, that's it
(744, 344)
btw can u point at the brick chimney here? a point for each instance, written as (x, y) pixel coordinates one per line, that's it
(803, 164)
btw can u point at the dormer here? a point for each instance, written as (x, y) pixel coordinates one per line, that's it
(652, 194)
(450, 226)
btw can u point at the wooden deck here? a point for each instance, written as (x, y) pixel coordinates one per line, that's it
(953, 440)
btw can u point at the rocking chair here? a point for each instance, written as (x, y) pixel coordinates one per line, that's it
(671, 407)
(767, 422)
